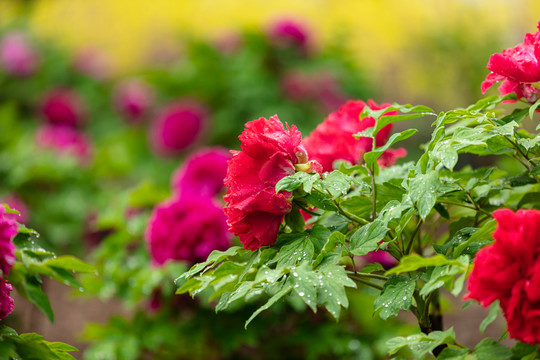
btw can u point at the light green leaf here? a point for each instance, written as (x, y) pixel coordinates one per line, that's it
(494, 311)
(70, 263)
(213, 259)
(38, 298)
(533, 108)
(331, 252)
(397, 294)
(488, 349)
(371, 157)
(277, 296)
(414, 262)
(423, 192)
(421, 344)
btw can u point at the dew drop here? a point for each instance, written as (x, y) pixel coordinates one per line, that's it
(301, 293)
(295, 274)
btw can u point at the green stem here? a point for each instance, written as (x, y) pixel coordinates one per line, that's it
(367, 283)
(465, 206)
(347, 214)
(372, 276)
(411, 240)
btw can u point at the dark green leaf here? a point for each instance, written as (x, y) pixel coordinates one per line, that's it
(396, 295)
(488, 349)
(38, 298)
(277, 296)
(371, 157)
(367, 238)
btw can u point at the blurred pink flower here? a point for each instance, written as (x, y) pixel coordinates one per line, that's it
(288, 33)
(17, 56)
(16, 203)
(65, 140)
(8, 230)
(63, 107)
(133, 99)
(298, 86)
(202, 172)
(229, 42)
(381, 257)
(187, 228)
(6, 302)
(177, 126)
(93, 63)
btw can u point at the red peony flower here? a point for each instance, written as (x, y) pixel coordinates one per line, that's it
(6, 302)
(133, 99)
(202, 172)
(518, 69)
(509, 271)
(269, 152)
(65, 140)
(63, 107)
(178, 126)
(187, 228)
(17, 56)
(8, 230)
(333, 139)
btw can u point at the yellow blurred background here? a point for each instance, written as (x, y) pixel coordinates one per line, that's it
(388, 38)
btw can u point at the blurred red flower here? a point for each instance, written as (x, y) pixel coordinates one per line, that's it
(509, 271)
(65, 140)
(133, 99)
(63, 107)
(333, 139)
(177, 126)
(8, 230)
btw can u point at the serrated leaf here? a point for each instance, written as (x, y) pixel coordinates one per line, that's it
(494, 311)
(277, 296)
(396, 295)
(305, 281)
(421, 344)
(367, 238)
(297, 180)
(371, 157)
(331, 251)
(70, 263)
(423, 192)
(337, 183)
(295, 248)
(332, 281)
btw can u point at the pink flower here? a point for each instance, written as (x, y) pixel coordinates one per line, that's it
(269, 152)
(6, 302)
(17, 56)
(178, 126)
(509, 271)
(93, 63)
(133, 99)
(63, 107)
(16, 203)
(187, 228)
(518, 68)
(381, 257)
(65, 140)
(8, 230)
(333, 139)
(287, 33)
(202, 172)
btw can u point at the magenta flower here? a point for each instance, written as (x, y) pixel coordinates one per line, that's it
(202, 172)
(518, 68)
(6, 302)
(287, 33)
(63, 107)
(177, 126)
(17, 56)
(65, 140)
(8, 230)
(133, 99)
(187, 228)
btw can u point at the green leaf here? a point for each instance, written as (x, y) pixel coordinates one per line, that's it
(38, 298)
(452, 353)
(483, 235)
(367, 238)
(414, 262)
(488, 349)
(213, 259)
(517, 115)
(337, 183)
(60, 346)
(295, 220)
(277, 296)
(423, 192)
(494, 311)
(295, 248)
(397, 294)
(332, 280)
(304, 282)
(533, 108)
(70, 263)
(446, 155)
(331, 251)
(421, 344)
(371, 157)
(297, 180)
